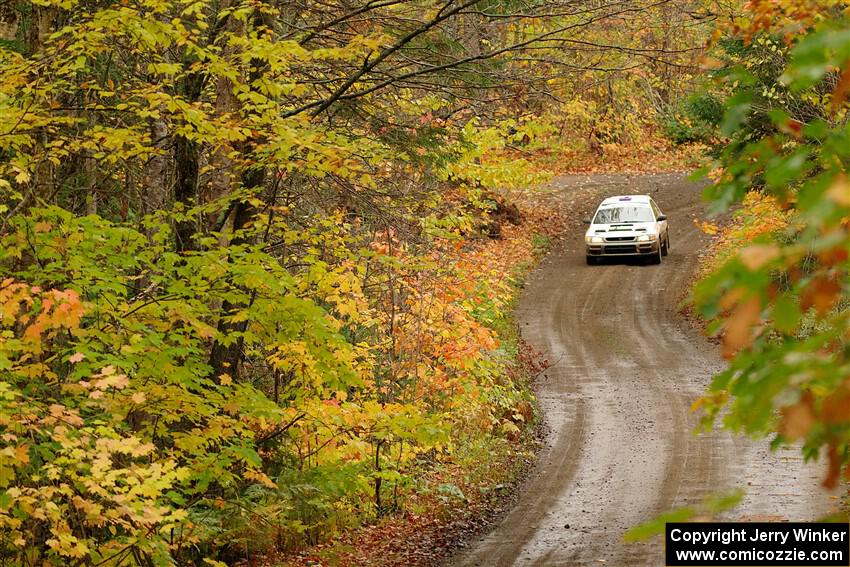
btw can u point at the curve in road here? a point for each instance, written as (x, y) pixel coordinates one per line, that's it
(625, 369)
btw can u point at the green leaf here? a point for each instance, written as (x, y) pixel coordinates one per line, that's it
(786, 313)
(657, 525)
(737, 109)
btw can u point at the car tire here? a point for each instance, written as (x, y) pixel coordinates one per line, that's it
(655, 259)
(591, 260)
(665, 247)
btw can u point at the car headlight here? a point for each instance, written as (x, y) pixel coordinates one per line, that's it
(646, 237)
(593, 239)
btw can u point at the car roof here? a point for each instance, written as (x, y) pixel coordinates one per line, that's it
(626, 199)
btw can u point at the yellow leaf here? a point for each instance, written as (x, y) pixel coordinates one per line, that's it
(707, 227)
(22, 454)
(259, 477)
(23, 176)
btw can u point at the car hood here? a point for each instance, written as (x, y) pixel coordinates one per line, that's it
(621, 229)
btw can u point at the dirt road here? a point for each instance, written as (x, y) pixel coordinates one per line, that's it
(625, 370)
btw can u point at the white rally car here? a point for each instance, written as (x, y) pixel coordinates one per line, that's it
(627, 225)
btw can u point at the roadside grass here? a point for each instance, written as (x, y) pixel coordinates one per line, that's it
(541, 243)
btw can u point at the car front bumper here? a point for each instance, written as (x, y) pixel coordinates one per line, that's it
(623, 248)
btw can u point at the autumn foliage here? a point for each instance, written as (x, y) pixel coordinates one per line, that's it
(118, 441)
(776, 287)
(759, 216)
(257, 257)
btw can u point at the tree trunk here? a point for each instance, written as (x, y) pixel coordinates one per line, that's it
(187, 157)
(155, 193)
(227, 358)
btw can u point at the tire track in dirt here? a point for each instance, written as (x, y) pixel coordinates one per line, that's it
(625, 370)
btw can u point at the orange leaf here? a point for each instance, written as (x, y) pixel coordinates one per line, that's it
(821, 294)
(797, 420)
(834, 467)
(755, 256)
(841, 90)
(739, 326)
(836, 407)
(731, 297)
(22, 454)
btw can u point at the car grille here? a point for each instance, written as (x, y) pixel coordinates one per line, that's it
(621, 249)
(620, 239)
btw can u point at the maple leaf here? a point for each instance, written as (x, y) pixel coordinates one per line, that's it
(22, 454)
(822, 293)
(739, 324)
(117, 381)
(76, 357)
(798, 419)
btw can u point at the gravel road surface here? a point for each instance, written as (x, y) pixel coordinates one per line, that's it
(625, 369)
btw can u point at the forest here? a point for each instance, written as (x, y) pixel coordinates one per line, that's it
(258, 259)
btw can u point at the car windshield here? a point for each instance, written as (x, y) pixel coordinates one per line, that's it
(630, 213)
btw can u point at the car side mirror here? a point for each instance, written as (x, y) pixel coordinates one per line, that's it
(586, 221)
(661, 218)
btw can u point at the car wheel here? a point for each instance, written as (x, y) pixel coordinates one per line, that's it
(656, 258)
(665, 247)
(591, 260)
